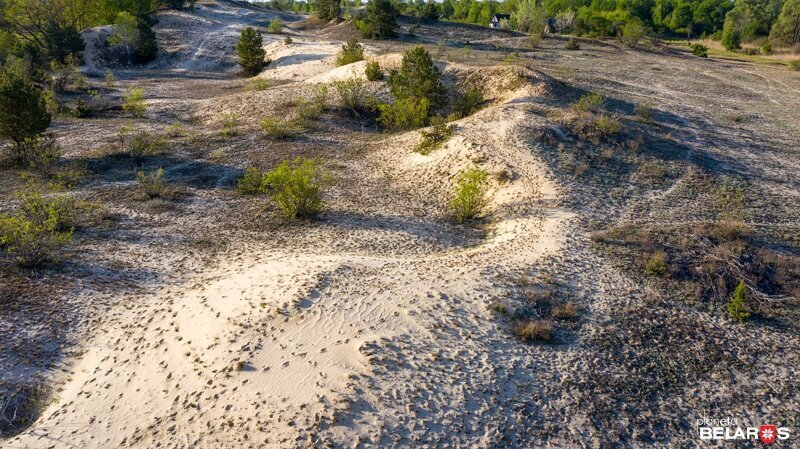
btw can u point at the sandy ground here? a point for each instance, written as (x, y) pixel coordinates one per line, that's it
(374, 326)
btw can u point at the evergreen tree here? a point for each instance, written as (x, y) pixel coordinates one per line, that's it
(147, 50)
(23, 108)
(380, 21)
(62, 42)
(250, 51)
(418, 78)
(326, 9)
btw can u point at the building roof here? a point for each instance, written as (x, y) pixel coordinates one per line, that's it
(499, 17)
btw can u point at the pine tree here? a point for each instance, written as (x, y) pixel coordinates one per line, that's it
(326, 10)
(418, 78)
(737, 306)
(23, 108)
(250, 51)
(380, 21)
(147, 49)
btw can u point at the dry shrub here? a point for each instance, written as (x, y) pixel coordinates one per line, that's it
(534, 330)
(566, 311)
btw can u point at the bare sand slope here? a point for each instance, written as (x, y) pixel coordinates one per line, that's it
(287, 348)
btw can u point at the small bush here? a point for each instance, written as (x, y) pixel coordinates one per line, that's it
(644, 112)
(766, 48)
(534, 330)
(404, 114)
(470, 195)
(572, 44)
(351, 52)
(607, 125)
(589, 103)
(229, 124)
(352, 95)
(737, 306)
(278, 128)
(257, 85)
(566, 311)
(139, 144)
(633, 32)
(373, 71)
(700, 50)
(287, 40)
(133, 102)
(468, 103)
(439, 133)
(656, 265)
(82, 109)
(297, 187)
(252, 182)
(794, 65)
(37, 230)
(39, 153)
(152, 184)
(111, 81)
(275, 26)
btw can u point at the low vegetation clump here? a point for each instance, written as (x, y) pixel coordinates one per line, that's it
(257, 85)
(644, 112)
(353, 97)
(250, 50)
(373, 71)
(230, 123)
(297, 187)
(533, 330)
(34, 234)
(737, 305)
(152, 184)
(405, 114)
(275, 26)
(470, 195)
(278, 128)
(40, 153)
(795, 65)
(565, 311)
(468, 102)
(351, 52)
(133, 102)
(699, 50)
(252, 182)
(633, 32)
(593, 122)
(432, 139)
(572, 44)
(657, 264)
(139, 144)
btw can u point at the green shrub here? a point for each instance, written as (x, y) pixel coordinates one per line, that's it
(633, 32)
(352, 95)
(644, 112)
(110, 79)
(380, 20)
(589, 103)
(373, 71)
(257, 84)
(351, 52)
(572, 44)
(152, 184)
(133, 102)
(39, 153)
(607, 125)
(24, 110)
(656, 265)
(82, 108)
(700, 50)
(287, 40)
(250, 51)
(794, 65)
(439, 133)
(470, 194)
(404, 114)
(468, 103)
(737, 306)
(139, 144)
(252, 182)
(297, 187)
(37, 230)
(278, 128)
(766, 48)
(230, 123)
(731, 37)
(275, 26)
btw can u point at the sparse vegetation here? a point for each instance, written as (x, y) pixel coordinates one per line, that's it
(533, 330)
(644, 112)
(34, 234)
(572, 44)
(352, 95)
(297, 187)
(257, 85)
(230, 123)
(152, 184)
(252, 182)
(351, 52)
(470, 195)
(278, 128)
(275, 26)
(404, 114)
(737, 306)
(373, 71)
(467, 103)
(699, 50)
(439, 133)
(133, 102)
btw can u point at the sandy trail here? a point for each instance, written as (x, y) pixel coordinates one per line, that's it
(284, 348)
